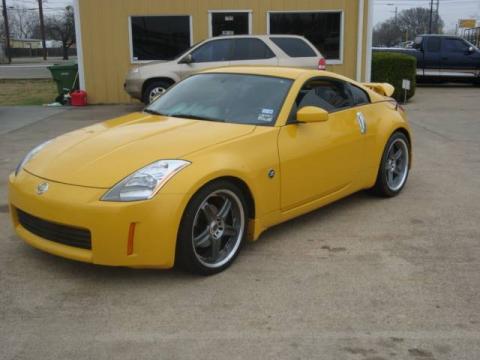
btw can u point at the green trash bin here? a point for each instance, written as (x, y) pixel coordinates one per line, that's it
(66, 77)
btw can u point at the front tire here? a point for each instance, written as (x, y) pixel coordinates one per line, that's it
(394, 166)
(153, 90)
(213, 229)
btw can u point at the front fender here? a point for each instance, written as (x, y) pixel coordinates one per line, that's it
(250, 159)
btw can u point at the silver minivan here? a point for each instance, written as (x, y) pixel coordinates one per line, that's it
(147, 81)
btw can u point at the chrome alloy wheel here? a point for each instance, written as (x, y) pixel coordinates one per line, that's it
(155, 92)
(218, 228)
(397, 164)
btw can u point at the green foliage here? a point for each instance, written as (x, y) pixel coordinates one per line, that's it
(392, 68)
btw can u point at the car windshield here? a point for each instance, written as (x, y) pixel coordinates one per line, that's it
(231, 98)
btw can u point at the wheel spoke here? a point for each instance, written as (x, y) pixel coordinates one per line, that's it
(397, 154)
(225, 210)
(203, 240)
(215, 248)
(210, 211)
(229, 231)
(390, 177)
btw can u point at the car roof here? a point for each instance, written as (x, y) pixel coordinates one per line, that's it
(277, 71)
(264, 37)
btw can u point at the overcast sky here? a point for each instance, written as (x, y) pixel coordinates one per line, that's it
(450, 10)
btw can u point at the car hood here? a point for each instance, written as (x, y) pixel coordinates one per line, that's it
(102, 154)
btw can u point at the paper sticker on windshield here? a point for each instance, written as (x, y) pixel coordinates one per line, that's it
(266, 115)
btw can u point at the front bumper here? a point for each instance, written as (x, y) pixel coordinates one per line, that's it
(133, 86)
(156, 222)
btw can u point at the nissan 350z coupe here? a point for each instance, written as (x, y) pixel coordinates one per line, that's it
(219, 158)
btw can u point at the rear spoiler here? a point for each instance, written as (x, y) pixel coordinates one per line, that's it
(384, 89)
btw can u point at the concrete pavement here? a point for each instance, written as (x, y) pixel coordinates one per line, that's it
(362, 279)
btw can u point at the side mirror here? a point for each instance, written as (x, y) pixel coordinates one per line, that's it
(471, 49)
(187, 59)
(310, 114)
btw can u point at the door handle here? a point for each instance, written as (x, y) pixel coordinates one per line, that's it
(361, 123)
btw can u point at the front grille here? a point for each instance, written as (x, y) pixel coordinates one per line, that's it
(62, 234)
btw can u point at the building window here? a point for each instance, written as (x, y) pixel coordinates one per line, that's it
(229, 23)
(159, 37)
(322, 29)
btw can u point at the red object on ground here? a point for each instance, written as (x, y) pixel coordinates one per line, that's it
(78, 98)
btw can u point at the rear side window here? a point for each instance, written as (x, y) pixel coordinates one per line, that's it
(359, 96)
(294, 47)
(251, 49)
(433, 44)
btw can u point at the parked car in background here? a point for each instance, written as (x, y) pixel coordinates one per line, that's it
(147, 81)
(443, 57)
(405, 44)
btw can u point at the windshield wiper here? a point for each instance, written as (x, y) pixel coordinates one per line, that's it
(195, 117)
(153, 112)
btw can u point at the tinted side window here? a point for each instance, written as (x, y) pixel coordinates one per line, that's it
(360, 97)
(331, 95)
(217, 50)
(454, 45)
(294, 47)
(433, 44)
(250, 49)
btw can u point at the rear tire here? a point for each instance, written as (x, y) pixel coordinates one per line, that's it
(213, 229)
(394, 166)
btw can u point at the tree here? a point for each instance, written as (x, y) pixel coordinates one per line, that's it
(387, 34)
(22, 22)
(61, 27)
(417, 20)
(408, 24)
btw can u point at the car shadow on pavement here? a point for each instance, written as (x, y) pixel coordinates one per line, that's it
(329, 212)
(109, 274)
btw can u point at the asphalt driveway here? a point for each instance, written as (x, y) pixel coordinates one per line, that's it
(364, 278)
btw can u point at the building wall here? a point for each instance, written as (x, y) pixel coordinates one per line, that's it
(105, 34)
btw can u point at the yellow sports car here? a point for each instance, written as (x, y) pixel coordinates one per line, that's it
(216, 160)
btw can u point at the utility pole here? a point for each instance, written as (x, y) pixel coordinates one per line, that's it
(396, 15)
(431, 17)
(42, 29)
(437, 18)
(7, 31)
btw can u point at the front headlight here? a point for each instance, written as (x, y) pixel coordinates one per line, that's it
(30, 155)
(145, 183)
